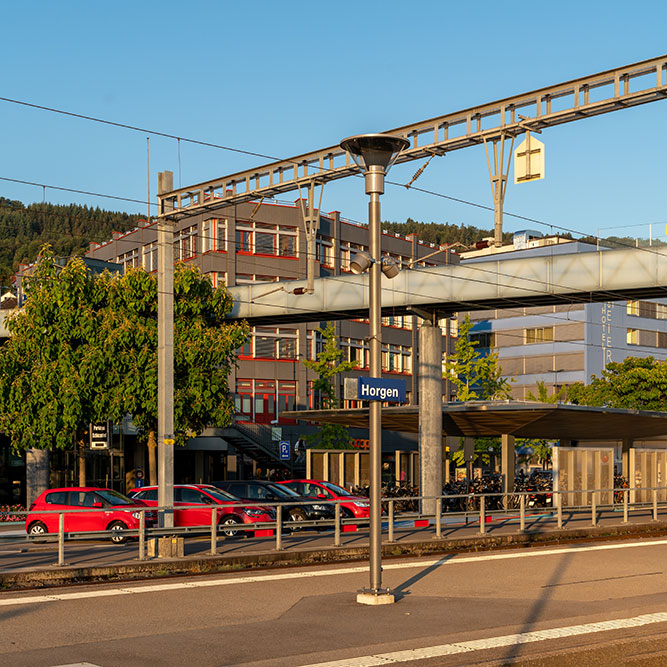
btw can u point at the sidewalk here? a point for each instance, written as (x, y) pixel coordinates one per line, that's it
(35, 565)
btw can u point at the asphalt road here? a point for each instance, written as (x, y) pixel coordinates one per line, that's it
(592, 604)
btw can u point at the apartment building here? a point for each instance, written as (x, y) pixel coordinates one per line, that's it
(563, 344)
(266, 243)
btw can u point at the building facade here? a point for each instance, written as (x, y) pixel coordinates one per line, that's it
(563, 344)
(266, 243)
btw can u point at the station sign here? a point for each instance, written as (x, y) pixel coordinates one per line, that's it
(380, 389)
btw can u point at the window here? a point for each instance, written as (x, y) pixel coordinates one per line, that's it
(632, 308)
(632, 337)
(221, 235)
(129, 259)
(185, 243)
(485, 339)
(185, 495)
(57, 498)
(150, 257)
(539, 335)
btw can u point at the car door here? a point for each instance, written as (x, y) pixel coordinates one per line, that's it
(192, 516)
(91, 515)
(55, 501)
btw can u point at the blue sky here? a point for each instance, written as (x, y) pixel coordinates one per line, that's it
(284, 78)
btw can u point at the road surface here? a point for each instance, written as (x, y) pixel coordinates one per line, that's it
(591, 604)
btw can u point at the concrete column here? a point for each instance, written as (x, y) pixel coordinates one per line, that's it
(36, 473)
(430, 413)
(626, 445)
(508, 462)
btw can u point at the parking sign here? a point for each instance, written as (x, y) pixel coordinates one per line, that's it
(284, 450)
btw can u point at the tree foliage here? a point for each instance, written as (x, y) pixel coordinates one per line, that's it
(543, 395)
(328, 366)
(441, 233)
(67, 228)
(477, 377)
(84, 349)
(639, 383)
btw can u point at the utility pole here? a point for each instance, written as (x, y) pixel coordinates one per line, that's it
(165, 355)
(311, 225)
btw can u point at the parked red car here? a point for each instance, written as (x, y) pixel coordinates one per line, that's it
(205, 495)
(114, 512)
(353, 506)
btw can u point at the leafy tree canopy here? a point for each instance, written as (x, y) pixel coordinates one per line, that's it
(477, 377)
(639, 383)
(84, 349)
(327, 366)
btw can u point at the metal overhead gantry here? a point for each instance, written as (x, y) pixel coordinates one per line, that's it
(581, 98)
(494, 122)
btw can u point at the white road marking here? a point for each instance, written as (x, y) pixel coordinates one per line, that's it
(231, 581)
(494, 642)
(78, 664)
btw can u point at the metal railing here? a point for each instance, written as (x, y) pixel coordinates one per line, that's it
(506, 511)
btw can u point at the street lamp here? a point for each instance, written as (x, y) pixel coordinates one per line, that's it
(374, 154)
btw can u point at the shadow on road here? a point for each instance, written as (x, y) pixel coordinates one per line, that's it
(403, 588)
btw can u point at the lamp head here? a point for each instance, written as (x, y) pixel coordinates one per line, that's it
(360, 262)
(374, 150)
(390, 267)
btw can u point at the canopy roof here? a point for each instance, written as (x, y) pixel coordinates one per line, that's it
(524, 420)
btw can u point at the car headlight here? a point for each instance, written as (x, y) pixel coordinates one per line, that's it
(361, 504)
(320, 508)
(252, 512)
(136, 515)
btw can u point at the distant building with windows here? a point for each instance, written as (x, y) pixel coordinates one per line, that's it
(563, 344)
(266, 243)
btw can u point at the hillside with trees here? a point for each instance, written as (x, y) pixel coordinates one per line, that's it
(442, 233)
(67, 228)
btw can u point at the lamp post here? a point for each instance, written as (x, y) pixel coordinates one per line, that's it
(374, 154)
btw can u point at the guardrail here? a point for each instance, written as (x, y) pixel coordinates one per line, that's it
(481, 509)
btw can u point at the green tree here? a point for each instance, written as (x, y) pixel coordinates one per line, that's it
(477, 377)
(543, 395)
(636, 383)
(328, 366)
(84, 349)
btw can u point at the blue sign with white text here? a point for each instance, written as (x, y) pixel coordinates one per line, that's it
(284, 450)
(380, 389)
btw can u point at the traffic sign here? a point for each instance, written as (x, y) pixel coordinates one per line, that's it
(285, 450)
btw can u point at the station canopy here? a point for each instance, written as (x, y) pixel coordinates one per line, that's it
(556, 421)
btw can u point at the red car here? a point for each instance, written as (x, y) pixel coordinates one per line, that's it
(203, 496)
(113, 511)
(353, 506)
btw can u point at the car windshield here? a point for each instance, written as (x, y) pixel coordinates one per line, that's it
(218, 494)
(114, 497)
(338, 490)
(283, 491)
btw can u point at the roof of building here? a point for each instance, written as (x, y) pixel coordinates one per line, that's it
(521, 419)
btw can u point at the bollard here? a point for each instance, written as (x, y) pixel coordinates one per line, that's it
(214, 531)
(438, 518)
(482, 515)
(655, 504)
(142, 536)
(560, 510)
(391, 521)
(61, 539)
(337, 525)
(522, 513)
(594, 509)
(625, 507)
(279, 528)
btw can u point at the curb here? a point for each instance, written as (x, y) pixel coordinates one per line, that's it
(130, 571)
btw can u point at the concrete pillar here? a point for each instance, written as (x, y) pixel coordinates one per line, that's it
(625, 458)
(508, 462)
(36, 473)
(430, 412)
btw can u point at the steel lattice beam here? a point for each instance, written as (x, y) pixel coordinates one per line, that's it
(588, 96)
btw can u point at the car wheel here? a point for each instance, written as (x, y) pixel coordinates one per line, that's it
(37, 529)
(117, 529)
(345, 513)
(297, 515)
(226, 522)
